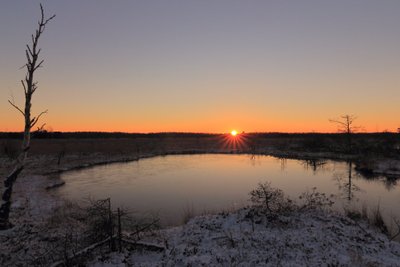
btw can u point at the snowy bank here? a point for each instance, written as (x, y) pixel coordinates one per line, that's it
(307, 238)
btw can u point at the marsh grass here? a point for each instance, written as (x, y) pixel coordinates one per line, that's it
(373, 218)
(188, 213)
(377, 220)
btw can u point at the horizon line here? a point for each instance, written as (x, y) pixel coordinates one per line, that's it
(204, 133)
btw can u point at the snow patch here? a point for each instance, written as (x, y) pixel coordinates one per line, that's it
(308, 238)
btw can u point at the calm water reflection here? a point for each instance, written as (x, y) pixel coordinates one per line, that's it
(169, 186)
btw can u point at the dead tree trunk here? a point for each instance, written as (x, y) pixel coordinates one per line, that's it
(30, 85)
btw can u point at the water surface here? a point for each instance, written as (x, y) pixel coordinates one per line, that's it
(172, 186)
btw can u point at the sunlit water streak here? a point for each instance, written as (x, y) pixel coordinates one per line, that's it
(171, 186)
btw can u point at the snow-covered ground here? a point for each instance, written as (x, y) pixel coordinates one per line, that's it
(31, 210)
(307, 238)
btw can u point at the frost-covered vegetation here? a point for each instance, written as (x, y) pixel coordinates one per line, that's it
(275, 231)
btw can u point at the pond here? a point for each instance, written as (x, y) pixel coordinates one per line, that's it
(176, 186)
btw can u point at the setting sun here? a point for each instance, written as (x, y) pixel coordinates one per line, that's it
(234, 133)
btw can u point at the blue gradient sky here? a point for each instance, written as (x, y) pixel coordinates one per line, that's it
(206, 66)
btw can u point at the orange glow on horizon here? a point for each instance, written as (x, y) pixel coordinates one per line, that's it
(224, 123)
(145, 128)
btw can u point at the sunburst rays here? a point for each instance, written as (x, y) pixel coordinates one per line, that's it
(234, 142)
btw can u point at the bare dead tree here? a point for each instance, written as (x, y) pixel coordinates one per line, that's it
(30, 86)
(346, 126)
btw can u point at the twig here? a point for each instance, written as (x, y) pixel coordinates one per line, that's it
(15, 106)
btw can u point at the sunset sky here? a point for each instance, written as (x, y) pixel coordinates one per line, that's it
(205, 66)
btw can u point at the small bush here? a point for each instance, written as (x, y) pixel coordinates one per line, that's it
(315, 200)
(270, 199)
(99, 220)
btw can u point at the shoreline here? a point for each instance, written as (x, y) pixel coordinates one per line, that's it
(51, 176)
(88, 161)
(380, 166)
(35, 201)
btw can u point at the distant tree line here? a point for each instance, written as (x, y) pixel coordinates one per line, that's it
(61, 135)
(88, 135)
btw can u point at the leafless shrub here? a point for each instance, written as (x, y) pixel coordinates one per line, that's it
(269, 199)
(62, 233)
(136, 226)
(99, 220)
(76, 232)
(61, 248)
(315, 200)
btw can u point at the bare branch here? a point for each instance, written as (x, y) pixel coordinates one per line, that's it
(29, 50)
(36, 119)
(52, 17)
(42, 13)
(34, 87)
(23, 84)
(15, 106)
(43, 22)
(336, 121)
(41, 128)
(28, 57)
(27, 82)
(39, 65)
